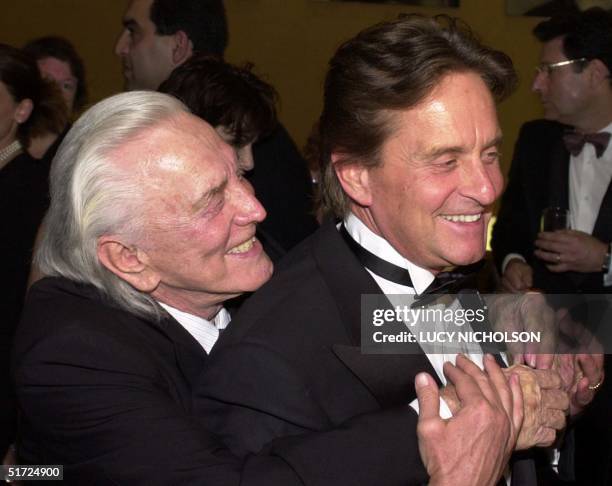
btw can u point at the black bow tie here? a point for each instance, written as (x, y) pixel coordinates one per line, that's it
(444, 282)
(574, 142)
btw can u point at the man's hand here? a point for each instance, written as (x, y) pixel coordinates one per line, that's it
(580, 373)
(580, 362)
(545, 404)
(473, 447)
(517, 277)
(570, 250)
(525, 312)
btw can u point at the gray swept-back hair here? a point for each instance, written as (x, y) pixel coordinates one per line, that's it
(92, 196)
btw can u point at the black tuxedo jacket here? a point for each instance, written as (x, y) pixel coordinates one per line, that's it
(539, 178)
(109, 396)
(291, 363)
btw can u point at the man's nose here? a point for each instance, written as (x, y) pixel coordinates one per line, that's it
(121, 44)
(539, 82)
(248, 208)
(482, 182)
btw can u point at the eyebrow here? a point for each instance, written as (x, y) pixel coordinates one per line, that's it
(203, 201)
(441, 150)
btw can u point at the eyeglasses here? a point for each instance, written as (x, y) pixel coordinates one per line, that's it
(549, 67)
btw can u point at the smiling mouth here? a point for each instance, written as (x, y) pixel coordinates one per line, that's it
(243, 247)
(462, 218)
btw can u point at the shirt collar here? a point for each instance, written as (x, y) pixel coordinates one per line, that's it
(421, 278)
(606, 129)
(205, 332)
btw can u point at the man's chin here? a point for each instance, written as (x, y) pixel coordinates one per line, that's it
(467, 258)
(130, 84)
(260, 276)
(551, 115)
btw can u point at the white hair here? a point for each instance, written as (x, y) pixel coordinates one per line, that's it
(92, 197)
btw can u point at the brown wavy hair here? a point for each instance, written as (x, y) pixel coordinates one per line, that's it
(19, 73)
(393, 66)
(225, 95)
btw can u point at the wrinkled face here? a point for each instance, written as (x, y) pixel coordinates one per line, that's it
(146, 57)
(244, 154)
(431, 197)
(8, 117)
(60, 73)
(564, 92)
(200, 218)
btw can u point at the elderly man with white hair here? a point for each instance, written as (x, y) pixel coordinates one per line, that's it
(151, 228)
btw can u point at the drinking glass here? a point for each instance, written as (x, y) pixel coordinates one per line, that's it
(554, 218)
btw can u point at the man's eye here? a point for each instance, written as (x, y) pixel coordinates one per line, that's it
(448, 164)
(69, 86)
(213, 207)
(492, 156)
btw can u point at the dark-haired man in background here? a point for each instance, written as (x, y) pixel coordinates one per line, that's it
(565, 161)
(159, 35)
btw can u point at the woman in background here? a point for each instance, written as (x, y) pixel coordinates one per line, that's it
(28, 108)
(58, 61)
(239, 105)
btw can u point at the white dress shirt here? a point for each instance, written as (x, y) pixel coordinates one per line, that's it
(421, 279)
(203, 331)
(589, 178)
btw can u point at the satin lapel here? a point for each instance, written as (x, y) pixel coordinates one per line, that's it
(190, 356)
(390, 378)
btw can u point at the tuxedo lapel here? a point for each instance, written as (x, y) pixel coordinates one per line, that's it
(389, 377)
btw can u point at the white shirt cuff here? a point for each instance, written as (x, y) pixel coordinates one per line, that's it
(445, 412)
(511, 256)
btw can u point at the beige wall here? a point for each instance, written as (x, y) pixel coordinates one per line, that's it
(290, 41)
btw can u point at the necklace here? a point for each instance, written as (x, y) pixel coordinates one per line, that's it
(9, 151)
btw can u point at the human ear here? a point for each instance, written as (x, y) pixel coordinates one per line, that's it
(354, 179)
(599, 72)
(182, 48)
(23, 110)
(128, 262)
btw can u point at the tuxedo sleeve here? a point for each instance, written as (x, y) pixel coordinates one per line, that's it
(98, 408)
(257, 402)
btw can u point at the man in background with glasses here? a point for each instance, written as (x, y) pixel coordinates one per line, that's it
(564, 161)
